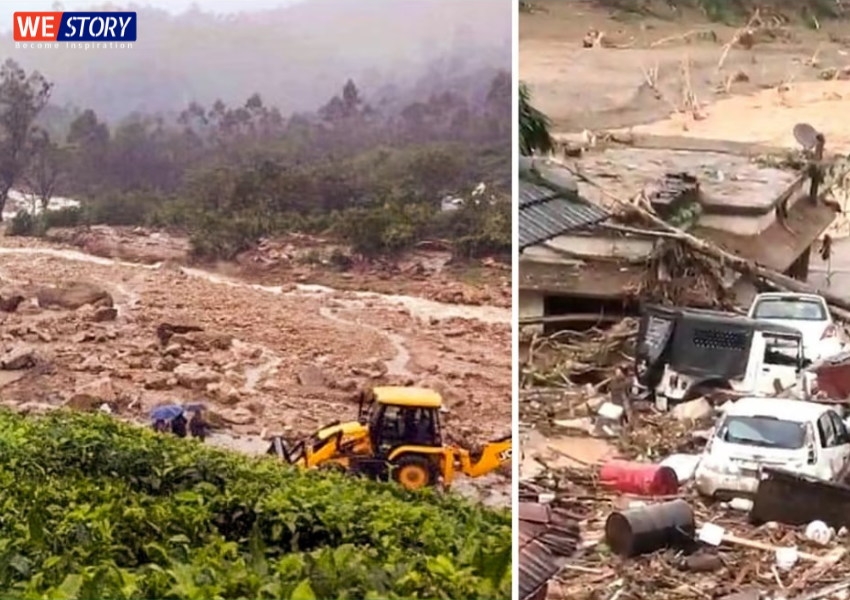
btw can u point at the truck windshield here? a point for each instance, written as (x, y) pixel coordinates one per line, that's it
(792, 309)
(768, 432)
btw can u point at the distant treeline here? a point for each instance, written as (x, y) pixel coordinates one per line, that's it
(229, 175)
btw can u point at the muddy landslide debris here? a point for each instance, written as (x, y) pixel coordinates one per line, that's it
(261, 359)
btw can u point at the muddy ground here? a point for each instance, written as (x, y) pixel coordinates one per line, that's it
(608, 88)
(427, 272)
(287, 357)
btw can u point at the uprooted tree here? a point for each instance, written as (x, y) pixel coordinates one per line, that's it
(22, 98)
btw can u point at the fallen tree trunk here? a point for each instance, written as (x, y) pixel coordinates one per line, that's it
(582, 318)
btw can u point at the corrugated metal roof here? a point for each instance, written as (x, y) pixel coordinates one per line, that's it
(548, 537)
(544, 214)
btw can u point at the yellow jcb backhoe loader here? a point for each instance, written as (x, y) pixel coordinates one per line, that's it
(397, 436)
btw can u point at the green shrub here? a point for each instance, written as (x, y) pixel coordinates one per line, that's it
(25, 225)
(70, 216)
(93, 508)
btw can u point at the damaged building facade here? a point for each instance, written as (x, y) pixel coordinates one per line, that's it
(580, 262)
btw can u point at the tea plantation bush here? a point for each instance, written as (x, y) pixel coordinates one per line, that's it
(93, 508)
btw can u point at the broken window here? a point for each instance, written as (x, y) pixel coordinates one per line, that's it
(781, 351)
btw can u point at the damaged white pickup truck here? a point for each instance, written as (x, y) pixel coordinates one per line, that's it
(803, 437)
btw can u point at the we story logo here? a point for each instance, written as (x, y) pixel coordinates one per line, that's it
(75, 30)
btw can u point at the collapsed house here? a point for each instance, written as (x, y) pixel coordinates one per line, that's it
(581, 261)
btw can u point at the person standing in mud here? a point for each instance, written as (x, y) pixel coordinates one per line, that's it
(198, 426)
(178, 426)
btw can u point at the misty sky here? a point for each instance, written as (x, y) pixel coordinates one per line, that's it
(9, 7)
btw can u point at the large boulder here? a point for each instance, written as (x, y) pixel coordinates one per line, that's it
(195, 377)
(312, 376)
(19, 357)
(91, 395)
(74, 295)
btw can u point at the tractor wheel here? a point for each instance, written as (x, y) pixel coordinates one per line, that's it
(414, 472)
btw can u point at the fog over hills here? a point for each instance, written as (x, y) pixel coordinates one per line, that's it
(296, 55)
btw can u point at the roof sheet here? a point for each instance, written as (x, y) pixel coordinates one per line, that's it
(545, 213)
(548, 537)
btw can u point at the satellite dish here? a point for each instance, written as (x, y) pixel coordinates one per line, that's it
(806, 135)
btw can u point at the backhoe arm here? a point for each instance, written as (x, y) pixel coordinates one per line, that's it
(493, 455)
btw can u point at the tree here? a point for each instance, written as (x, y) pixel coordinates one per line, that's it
(22, 98)
(46, 168)
(534, 126)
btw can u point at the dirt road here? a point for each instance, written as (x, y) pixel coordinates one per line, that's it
(269, 359)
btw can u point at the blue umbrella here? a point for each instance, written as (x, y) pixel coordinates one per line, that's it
(166, 413)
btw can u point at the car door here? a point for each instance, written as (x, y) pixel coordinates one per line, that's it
(827, 459)
(842, 446)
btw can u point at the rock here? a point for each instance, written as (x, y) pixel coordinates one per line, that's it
(91, 363)
(83, 337)
(43, 336)
(166, 330)
(194, 376)
(105, 313)
(173, 349)
(372, 370)
(702, 563)
(695, 410)
(219, 341)
(159, 381)
(11, 303)
(167, 363)
(18, 358)
(230, 396)
(346, 385)
(139, 362)
(312, 376)
(456, 332)
(237, 416)
(74, 295)
(92, 395)
(202, 340)
(227, 395)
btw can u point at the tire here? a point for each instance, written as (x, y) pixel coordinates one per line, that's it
(414, 472)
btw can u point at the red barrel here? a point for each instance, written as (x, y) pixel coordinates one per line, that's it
(639, 478)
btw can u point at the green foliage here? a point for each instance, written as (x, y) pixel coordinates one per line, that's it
(533, 126)
(70, 216)
(24, 224)
(22, 98)
(234, 174)
(93, 508)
